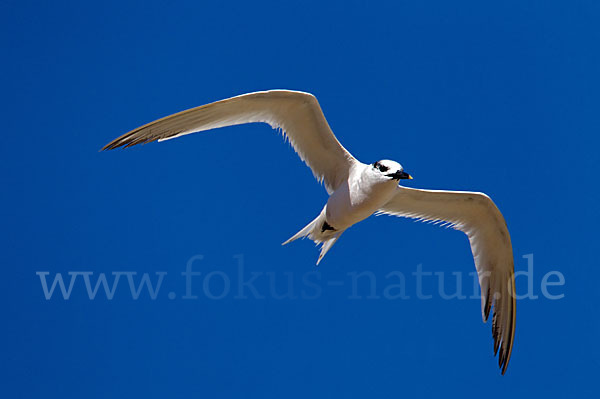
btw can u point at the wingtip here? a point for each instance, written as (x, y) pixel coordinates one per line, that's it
(503, 361)
(110, 146)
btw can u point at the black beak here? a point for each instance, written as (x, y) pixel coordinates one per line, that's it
(400, 175)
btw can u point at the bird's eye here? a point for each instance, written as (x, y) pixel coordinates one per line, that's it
(381, 167)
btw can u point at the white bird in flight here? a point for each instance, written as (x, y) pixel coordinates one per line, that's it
(358, 190)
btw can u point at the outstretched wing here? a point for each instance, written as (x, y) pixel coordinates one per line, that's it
(476, 215)
(296, 113)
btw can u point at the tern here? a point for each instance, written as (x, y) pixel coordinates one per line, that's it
(357, 191)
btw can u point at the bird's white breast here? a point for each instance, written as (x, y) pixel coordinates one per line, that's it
(358, 198)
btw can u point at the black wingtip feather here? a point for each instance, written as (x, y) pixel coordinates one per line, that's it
(487, 307)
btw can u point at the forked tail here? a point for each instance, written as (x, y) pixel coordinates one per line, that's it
(320, 232)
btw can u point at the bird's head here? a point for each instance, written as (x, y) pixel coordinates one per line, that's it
(390, 170)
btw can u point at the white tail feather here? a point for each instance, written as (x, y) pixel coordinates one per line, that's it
(304, 232)
(316, 233)
(327, 245)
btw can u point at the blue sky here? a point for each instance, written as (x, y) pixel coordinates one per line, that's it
(500, 98)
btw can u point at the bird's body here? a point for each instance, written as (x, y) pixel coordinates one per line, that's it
(363, 193)
(358, 190)
(359, 197)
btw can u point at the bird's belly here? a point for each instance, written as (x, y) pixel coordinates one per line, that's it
(348, 206)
